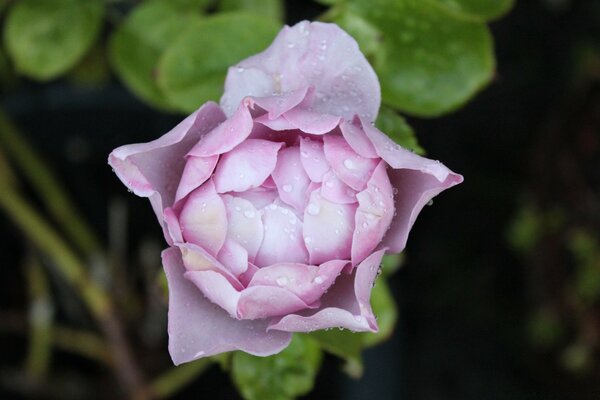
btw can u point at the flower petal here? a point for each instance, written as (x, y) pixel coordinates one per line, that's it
(357, 139)
(152, 169)
(351, 168)
(308, 282)
(195, 258)
(316, 123)
(345, 305)
(333, 189)
(374, 214)
(234, 256)
(309, 54)
(328, 229)
(197, 170)
(247, 166)
(203, 218)
(199, 329)
(282, 241)
(226, 136)
(279, 104)
(290, 178)
(313, 159)
(259, 197)
(244, 224)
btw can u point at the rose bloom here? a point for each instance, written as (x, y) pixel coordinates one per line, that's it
(279, 204)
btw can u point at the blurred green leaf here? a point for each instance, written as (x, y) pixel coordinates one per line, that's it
(268, 8)
(189, 5)
(586, 250)
(92, 70)
(349, 345)
(137, 45)
(366, 34)
(482, 9)
(545, 328)
(429, 60)
(393, 125)
(192, 71)
(391, 263)
(47, 38)
(286, 375)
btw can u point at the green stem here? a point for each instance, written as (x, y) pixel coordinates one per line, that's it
(86, 344)
(41, 316)
(73, 271)
(177, 378)
(48, 187)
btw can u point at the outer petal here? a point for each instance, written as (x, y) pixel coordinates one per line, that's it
(417, 180)
(247, 166)
(203, 218)
(282, 241)
(374, 214)
(351, 168)
(328, 229)
(199, 329)
(345, 305)
(290, 178)
(313, 159)
(309, 54)
(225, 136)
(153, 169)
(308, 282)
(197, 171)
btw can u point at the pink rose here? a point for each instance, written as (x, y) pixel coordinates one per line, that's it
(279, 206)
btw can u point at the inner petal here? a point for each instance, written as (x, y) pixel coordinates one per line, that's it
(247, 166)
(328, 229)
(290, 178)
(350, 167)
(282, 240)
(203, 218)
(244, 224)
(313, 159)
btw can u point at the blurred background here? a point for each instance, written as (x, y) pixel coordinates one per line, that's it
(499, 292)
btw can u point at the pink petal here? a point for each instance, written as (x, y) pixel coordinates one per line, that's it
(247, 166)
(337, 191)
(152, 169)
(226, 136)
(308, 282)
(197, 170)
(259, 197)
(277, 124)
(417, 180)
(357, 139)
(345, 305)
(244, 224)
(172, 226)
(313, 159)
(415, 190)
(316, 123)
(282, 241)
(195, 258)
(234, 257)
(374, 214)
(268, 301)
(203, 218)
(328, 229)
(279, 104)
(290, 178)
(199, 329)
(309, 54)
(217, 289)
(351, 168)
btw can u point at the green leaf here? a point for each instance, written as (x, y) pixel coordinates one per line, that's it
(481, 9)
(137, 45)
(349, 345)
(391, 263)
(192, 71)
(393, 125)
(286, 375)
(46, 38)
(189, 5)
(268, 8)
(429, 61)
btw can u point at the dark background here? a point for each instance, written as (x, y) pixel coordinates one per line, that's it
(465, 297)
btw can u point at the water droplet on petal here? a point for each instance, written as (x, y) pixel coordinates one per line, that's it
(313, 209)
(282, 281)
(348, 163)
(287, 188)
(318, 280)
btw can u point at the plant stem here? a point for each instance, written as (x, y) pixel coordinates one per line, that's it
(73, 270)
(41, 316)
(48, 187)
(174, 380)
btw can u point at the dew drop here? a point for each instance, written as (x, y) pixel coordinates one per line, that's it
(313, 209)
(282, 281)
(318, 280)
(287, 188)
(348, 163)
(249, 214)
